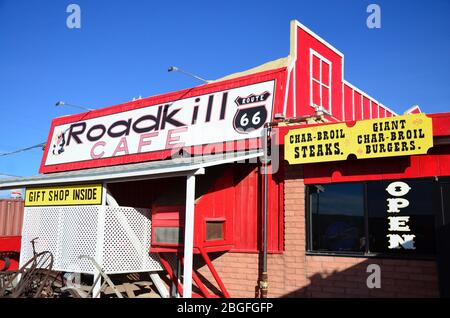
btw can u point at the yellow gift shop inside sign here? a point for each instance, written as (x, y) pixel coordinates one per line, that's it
(375, 138)
(64, 195)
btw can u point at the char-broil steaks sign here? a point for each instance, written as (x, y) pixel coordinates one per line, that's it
(229, 115)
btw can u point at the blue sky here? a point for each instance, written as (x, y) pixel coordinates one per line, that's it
(123, 50)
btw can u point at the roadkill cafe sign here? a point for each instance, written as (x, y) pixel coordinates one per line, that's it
(228, 115)
(375, 138)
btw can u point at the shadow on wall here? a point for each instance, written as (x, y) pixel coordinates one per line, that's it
(375, 278)
(330, 277)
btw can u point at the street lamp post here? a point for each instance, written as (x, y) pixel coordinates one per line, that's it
(176, 69)
(62, 103)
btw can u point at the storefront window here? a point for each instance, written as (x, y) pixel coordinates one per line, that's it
(398, 217)
(337, 217)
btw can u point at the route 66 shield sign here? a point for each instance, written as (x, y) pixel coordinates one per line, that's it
(250, 117)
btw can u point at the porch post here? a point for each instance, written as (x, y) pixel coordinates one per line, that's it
(96, 291)
(189, 236)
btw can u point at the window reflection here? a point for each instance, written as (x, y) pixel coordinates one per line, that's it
(338, 217)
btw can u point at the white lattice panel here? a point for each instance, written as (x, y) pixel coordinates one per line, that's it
(127, 240)
(117, 237)
(43, 224)
(77, 236)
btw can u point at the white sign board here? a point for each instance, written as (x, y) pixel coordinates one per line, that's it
(227, 115)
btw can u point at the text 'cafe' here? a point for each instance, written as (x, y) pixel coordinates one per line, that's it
(281, 181)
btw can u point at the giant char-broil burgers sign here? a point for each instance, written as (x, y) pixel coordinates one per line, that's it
(374, 138)
(126, 136)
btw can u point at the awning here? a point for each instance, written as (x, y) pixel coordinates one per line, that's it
(131, 172)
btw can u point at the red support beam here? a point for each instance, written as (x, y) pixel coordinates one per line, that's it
(215, 274)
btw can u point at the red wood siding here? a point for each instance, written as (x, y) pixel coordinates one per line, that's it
(348, 102)
(236, 187)
(248, 209)
(367, 108)
(306, 42)
(374, 110)
(358, 106)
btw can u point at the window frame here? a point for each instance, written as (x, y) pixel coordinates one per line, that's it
(322, 59)
(367, 253)
(220, 220)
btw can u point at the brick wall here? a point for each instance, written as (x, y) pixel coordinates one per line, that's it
(294, 274)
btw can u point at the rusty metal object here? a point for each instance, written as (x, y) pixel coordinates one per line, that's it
(34, 279)
(80, 293)
(5, 277)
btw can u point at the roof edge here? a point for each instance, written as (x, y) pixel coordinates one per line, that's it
(272, 65)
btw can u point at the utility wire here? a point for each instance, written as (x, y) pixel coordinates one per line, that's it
(42, 144)
(9, 175)
(22, 150)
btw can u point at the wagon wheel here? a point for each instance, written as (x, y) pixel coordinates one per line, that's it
(34, 278)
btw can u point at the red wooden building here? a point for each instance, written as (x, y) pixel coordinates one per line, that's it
(194, 158)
